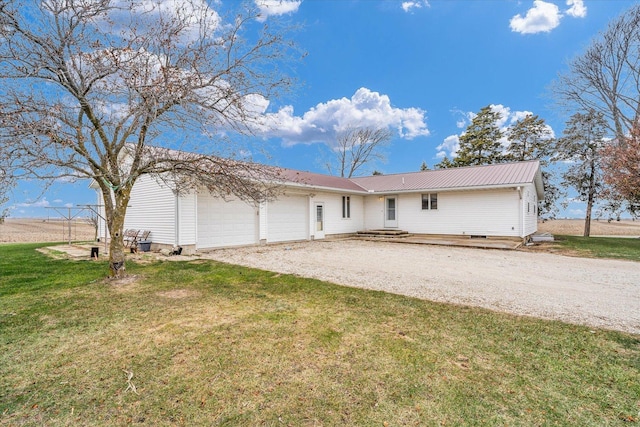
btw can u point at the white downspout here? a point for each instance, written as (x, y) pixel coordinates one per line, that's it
(522, 209)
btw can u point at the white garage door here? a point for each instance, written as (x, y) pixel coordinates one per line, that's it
(225, 223)
(287, 219)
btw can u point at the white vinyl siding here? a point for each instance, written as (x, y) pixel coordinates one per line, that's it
(152, 207)
(470, 213)
(187, 219)
(374, 212)
(334, 223)
(225, 222)
(288, 218)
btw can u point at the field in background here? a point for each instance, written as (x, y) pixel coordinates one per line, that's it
(27, 230)
(575, 227)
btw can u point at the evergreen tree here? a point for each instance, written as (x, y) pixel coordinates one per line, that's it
(445, 163)
(529, 138)
(480, 143)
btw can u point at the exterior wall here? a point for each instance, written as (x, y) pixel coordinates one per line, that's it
(153, 207)
(287, 218)
(530, 209)
(482, 213)
(333, 221)
(374, 212)
(102, 224)
(222, 223)
(187, 219)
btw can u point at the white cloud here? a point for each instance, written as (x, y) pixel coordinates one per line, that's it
(449, 146)
(577, 9)
(542, 17)
(276, 7)
(44, 203)
(408, 6)
(322, 122)
(464, 118)
(126, 15)
(576, 212)
(57, 201)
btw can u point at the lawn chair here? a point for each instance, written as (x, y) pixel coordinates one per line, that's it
(130, 238)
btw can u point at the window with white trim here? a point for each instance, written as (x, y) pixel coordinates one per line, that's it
(430, 201)
(346, 207)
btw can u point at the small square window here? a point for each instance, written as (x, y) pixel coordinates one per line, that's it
(430, 201)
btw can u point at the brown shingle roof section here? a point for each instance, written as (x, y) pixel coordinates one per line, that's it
(320, 181)
(502, 174)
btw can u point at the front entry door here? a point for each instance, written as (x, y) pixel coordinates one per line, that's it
(319, 216)
(390, 211)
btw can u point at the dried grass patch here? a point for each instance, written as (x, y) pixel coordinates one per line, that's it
(179, 293)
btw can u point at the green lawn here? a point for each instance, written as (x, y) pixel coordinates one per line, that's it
(601, 247)
(215, 344)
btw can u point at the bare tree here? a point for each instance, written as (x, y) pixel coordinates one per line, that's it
(7, 180)
(356, 147)
(606, 77)
(581, 146)
(89, 89)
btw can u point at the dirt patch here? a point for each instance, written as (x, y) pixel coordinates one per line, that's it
(179, 294)
(52, 253)
(594, 292)
(123, 284)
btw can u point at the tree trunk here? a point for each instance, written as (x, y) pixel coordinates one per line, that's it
(592, 191)
(116, 212)
(116, 245)
(587, 218)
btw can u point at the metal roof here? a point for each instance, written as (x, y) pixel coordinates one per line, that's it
(496, 175)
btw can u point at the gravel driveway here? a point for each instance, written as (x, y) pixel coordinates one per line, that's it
(594, 292)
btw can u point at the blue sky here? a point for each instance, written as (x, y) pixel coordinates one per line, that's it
(418, 67)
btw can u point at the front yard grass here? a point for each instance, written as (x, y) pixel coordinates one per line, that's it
(205, 343)
(600, 247)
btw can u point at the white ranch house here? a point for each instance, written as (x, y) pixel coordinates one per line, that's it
(494, 200)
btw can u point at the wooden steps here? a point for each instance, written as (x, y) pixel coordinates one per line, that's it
(383, 233)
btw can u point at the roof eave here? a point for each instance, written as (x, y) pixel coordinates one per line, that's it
(447, 189)
(325, 189)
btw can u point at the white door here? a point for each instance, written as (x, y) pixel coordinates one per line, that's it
(319, 221)
(288, 219)
(225, 223)
(390, 211)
